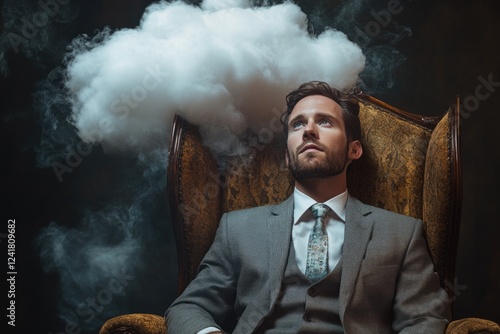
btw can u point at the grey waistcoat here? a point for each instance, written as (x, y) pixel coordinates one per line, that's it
(303, 307)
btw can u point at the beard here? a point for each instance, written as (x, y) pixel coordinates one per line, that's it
(331, 163)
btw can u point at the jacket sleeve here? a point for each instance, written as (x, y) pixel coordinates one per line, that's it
(208, 300)
(420, 304)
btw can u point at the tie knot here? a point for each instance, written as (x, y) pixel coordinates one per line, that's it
(320, 210)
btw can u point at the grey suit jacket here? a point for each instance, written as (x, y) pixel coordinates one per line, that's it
(388, 284)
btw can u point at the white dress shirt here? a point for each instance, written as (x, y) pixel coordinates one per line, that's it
(303, 222)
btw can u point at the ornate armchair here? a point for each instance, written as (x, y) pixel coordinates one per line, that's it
(411, 165)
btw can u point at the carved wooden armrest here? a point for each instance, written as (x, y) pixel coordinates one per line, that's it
(137, 323)
(473, 326)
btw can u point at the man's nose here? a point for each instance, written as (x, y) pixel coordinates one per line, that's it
(310, 131)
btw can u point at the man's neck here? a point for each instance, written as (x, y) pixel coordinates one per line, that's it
(322, 189)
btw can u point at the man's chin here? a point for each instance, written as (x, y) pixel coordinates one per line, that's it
(311, 160)
(311, 154)
(311, 172)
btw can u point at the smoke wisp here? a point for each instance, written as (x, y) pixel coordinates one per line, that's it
(30, 28)
(100, 260)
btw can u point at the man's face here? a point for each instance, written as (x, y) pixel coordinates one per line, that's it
(317, 144)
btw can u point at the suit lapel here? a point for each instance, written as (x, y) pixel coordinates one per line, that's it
(280, 231)
(358, 229)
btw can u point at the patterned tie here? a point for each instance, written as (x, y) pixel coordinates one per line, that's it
(317, 248)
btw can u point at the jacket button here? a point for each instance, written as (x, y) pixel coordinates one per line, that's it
(313, 292)
(307, 318)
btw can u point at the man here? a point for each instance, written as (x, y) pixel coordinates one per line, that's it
(339, 266)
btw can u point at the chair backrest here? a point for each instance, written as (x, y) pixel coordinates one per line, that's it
(410, 164)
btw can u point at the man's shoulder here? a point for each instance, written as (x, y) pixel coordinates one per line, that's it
(388, 224)
(380, 214)
(256, 210)
(260, 211)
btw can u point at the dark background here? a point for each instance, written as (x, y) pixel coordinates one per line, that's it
(452, 45)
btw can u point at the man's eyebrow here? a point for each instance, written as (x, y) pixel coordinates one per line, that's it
(295, 118)
(326, 115)
(317, 115)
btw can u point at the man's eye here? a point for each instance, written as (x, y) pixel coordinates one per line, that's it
(324, 122)
(297, 125)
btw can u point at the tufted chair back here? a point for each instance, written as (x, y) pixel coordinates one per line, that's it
(410, 165)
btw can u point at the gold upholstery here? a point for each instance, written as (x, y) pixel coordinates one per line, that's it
(137, 323)
(410, 165)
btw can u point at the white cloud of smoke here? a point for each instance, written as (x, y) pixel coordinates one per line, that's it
(223, 66)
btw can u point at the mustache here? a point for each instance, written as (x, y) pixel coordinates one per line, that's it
(308, 142)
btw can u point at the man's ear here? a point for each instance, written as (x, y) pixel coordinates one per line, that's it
(355, 150)
(287, 158)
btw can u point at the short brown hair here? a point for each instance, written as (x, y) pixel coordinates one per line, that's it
(350, 107)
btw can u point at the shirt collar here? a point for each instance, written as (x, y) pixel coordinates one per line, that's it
(302, 203)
